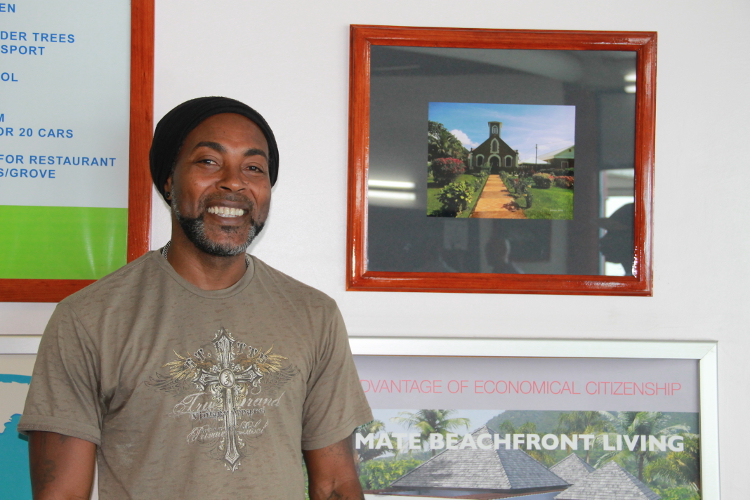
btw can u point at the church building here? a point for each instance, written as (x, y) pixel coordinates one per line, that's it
(494, 151)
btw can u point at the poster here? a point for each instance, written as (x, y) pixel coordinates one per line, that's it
(15, 376)
(532, 428)
(64, 138)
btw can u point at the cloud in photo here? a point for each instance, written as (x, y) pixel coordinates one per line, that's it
(461, 136)
(526, 127)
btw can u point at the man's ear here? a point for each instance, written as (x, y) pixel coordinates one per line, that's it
(168, 189)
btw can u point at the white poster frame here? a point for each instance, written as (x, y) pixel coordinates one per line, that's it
(19, 344)
(705, 352)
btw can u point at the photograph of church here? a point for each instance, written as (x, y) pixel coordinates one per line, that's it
(500, 161)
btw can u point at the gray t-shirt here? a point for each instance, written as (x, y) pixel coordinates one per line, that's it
(192, 393)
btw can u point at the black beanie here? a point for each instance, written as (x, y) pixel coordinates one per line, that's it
(172, 130)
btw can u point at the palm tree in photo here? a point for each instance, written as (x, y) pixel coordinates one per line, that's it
(431, 422)
(443, 144)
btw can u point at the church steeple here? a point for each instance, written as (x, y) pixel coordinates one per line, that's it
(495, 128)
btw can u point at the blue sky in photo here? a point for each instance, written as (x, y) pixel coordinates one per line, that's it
(524, 125)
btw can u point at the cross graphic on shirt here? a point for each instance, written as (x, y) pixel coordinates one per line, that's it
(226, 379)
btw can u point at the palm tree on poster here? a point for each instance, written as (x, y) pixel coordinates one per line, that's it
(679, 466)
(365, 453)
(431, 422)
(638, 423)
(542, 456)
(583, 422)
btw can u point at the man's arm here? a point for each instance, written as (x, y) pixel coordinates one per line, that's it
(62, 467)
(332, 472)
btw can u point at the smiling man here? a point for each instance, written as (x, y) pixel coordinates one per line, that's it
(198, 371)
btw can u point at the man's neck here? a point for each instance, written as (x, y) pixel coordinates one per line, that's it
(205, 271)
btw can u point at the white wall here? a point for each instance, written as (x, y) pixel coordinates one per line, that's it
(289, 60)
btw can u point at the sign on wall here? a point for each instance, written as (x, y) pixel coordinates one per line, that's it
(75, 125)
(64, 121)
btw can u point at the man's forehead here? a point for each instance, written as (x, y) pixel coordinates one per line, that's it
(228, 121)
(217, 130)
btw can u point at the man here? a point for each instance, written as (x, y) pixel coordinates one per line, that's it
(617, 244)
(197, 371)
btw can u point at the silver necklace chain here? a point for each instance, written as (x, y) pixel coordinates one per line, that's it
(165, 253)
(165, 250)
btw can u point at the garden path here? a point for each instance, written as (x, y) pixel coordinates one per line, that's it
(494, 202)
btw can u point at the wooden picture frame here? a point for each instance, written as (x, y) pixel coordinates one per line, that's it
(361, 275)
(139, 191)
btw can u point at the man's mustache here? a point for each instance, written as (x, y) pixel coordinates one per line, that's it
(234, 198)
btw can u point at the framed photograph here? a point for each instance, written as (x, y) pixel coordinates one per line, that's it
(501, 161)
(538, 419)
(74, 179)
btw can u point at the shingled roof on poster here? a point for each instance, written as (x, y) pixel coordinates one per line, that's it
(609, 482)
(572, 468)
(474, 470)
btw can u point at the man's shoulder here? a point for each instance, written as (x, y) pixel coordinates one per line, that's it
(114, 283)
(291, 287)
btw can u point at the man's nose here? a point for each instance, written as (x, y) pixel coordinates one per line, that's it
(231, 179)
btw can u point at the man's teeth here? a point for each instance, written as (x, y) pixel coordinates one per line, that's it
(226, 211)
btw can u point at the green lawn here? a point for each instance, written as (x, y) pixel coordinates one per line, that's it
(434, 206)
(552, 203)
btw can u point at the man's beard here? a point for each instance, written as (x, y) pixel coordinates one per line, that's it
(195, 230)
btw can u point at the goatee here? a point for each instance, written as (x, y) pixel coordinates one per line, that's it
(195, 230)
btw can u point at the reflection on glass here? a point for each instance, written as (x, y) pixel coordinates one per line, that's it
(526, 159)
(391, 193)
(617, 189)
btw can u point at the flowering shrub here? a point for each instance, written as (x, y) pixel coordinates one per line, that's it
(479, 180)
(564, 181)
(561, 171)
(529, 198)
(522, 170)
(542, 181)
(455, 197)
(516, 185)
(447, 170)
